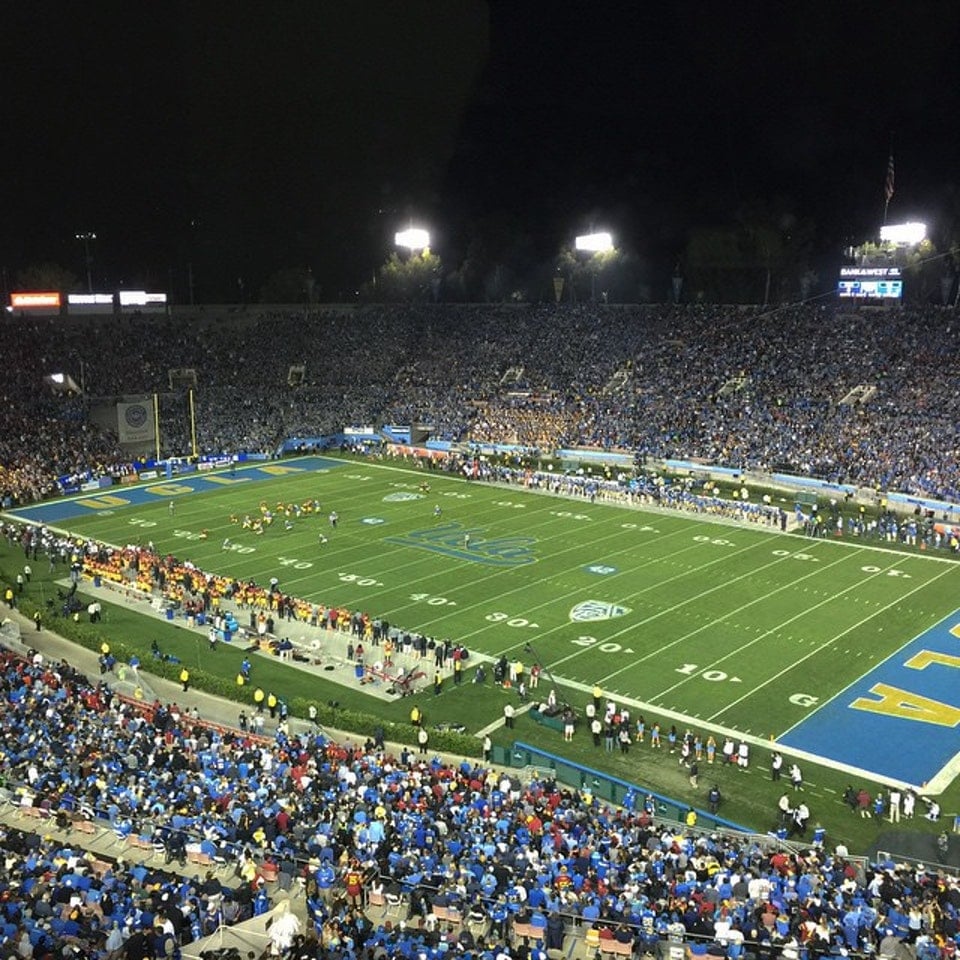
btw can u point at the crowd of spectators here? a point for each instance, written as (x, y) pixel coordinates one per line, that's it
(863, 398)
(350, 822)
(61, 741)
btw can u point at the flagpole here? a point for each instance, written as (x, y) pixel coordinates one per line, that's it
(888, 186)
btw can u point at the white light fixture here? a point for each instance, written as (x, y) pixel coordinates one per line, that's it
(907, 233)
(595, 242)
(413, 238)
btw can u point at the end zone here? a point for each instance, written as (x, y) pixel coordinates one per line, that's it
(90, 504)
(909, 703)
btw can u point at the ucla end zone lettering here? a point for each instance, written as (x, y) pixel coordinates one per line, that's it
(888, 701)
(910, 703)
(58, 511)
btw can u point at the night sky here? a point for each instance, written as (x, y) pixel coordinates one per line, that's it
(242, 138)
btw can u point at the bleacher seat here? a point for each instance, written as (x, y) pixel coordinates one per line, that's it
(614, 948)
(526, 931)
(446, 914)
(591, 943)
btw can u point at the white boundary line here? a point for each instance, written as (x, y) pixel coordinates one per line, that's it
(774, 629)
(934, 786)
(693, 599)
(945, 776)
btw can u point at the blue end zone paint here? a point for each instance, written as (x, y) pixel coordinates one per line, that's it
(57, 511)
(895, 748)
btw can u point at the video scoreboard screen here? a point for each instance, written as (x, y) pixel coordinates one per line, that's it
(870, 283)
(871, 289)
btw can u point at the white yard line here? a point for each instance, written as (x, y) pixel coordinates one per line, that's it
(692, 522)
(774, 629)
(713, 623)
(946, 775)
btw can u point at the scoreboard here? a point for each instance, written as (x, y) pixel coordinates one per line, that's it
(870, 283)
(871, 289)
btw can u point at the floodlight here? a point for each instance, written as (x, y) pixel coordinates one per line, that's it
(413, 238)
(61, 383)
(595, 242)
(907, 233)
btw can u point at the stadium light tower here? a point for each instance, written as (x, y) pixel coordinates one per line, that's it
(87, 236)
(413, 238)
(593, 244)
(907, 234)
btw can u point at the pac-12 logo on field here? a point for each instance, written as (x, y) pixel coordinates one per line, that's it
(401, 496)
(590, 611)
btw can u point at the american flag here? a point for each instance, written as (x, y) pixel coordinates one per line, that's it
(888, 184)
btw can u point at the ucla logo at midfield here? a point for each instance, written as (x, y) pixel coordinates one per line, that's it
(463, 543)
(590, 611)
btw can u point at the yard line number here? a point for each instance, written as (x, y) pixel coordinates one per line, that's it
(606, 646)
(510, 621)
(432, 601)
(359, 580)
(714, 676)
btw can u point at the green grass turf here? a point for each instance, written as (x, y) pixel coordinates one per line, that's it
(723, 624)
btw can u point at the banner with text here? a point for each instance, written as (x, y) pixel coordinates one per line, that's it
(135, 422)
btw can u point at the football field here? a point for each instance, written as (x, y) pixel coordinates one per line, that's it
(837, 649)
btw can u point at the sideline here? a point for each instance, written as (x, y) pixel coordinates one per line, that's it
(210, 707)
(500, 722)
